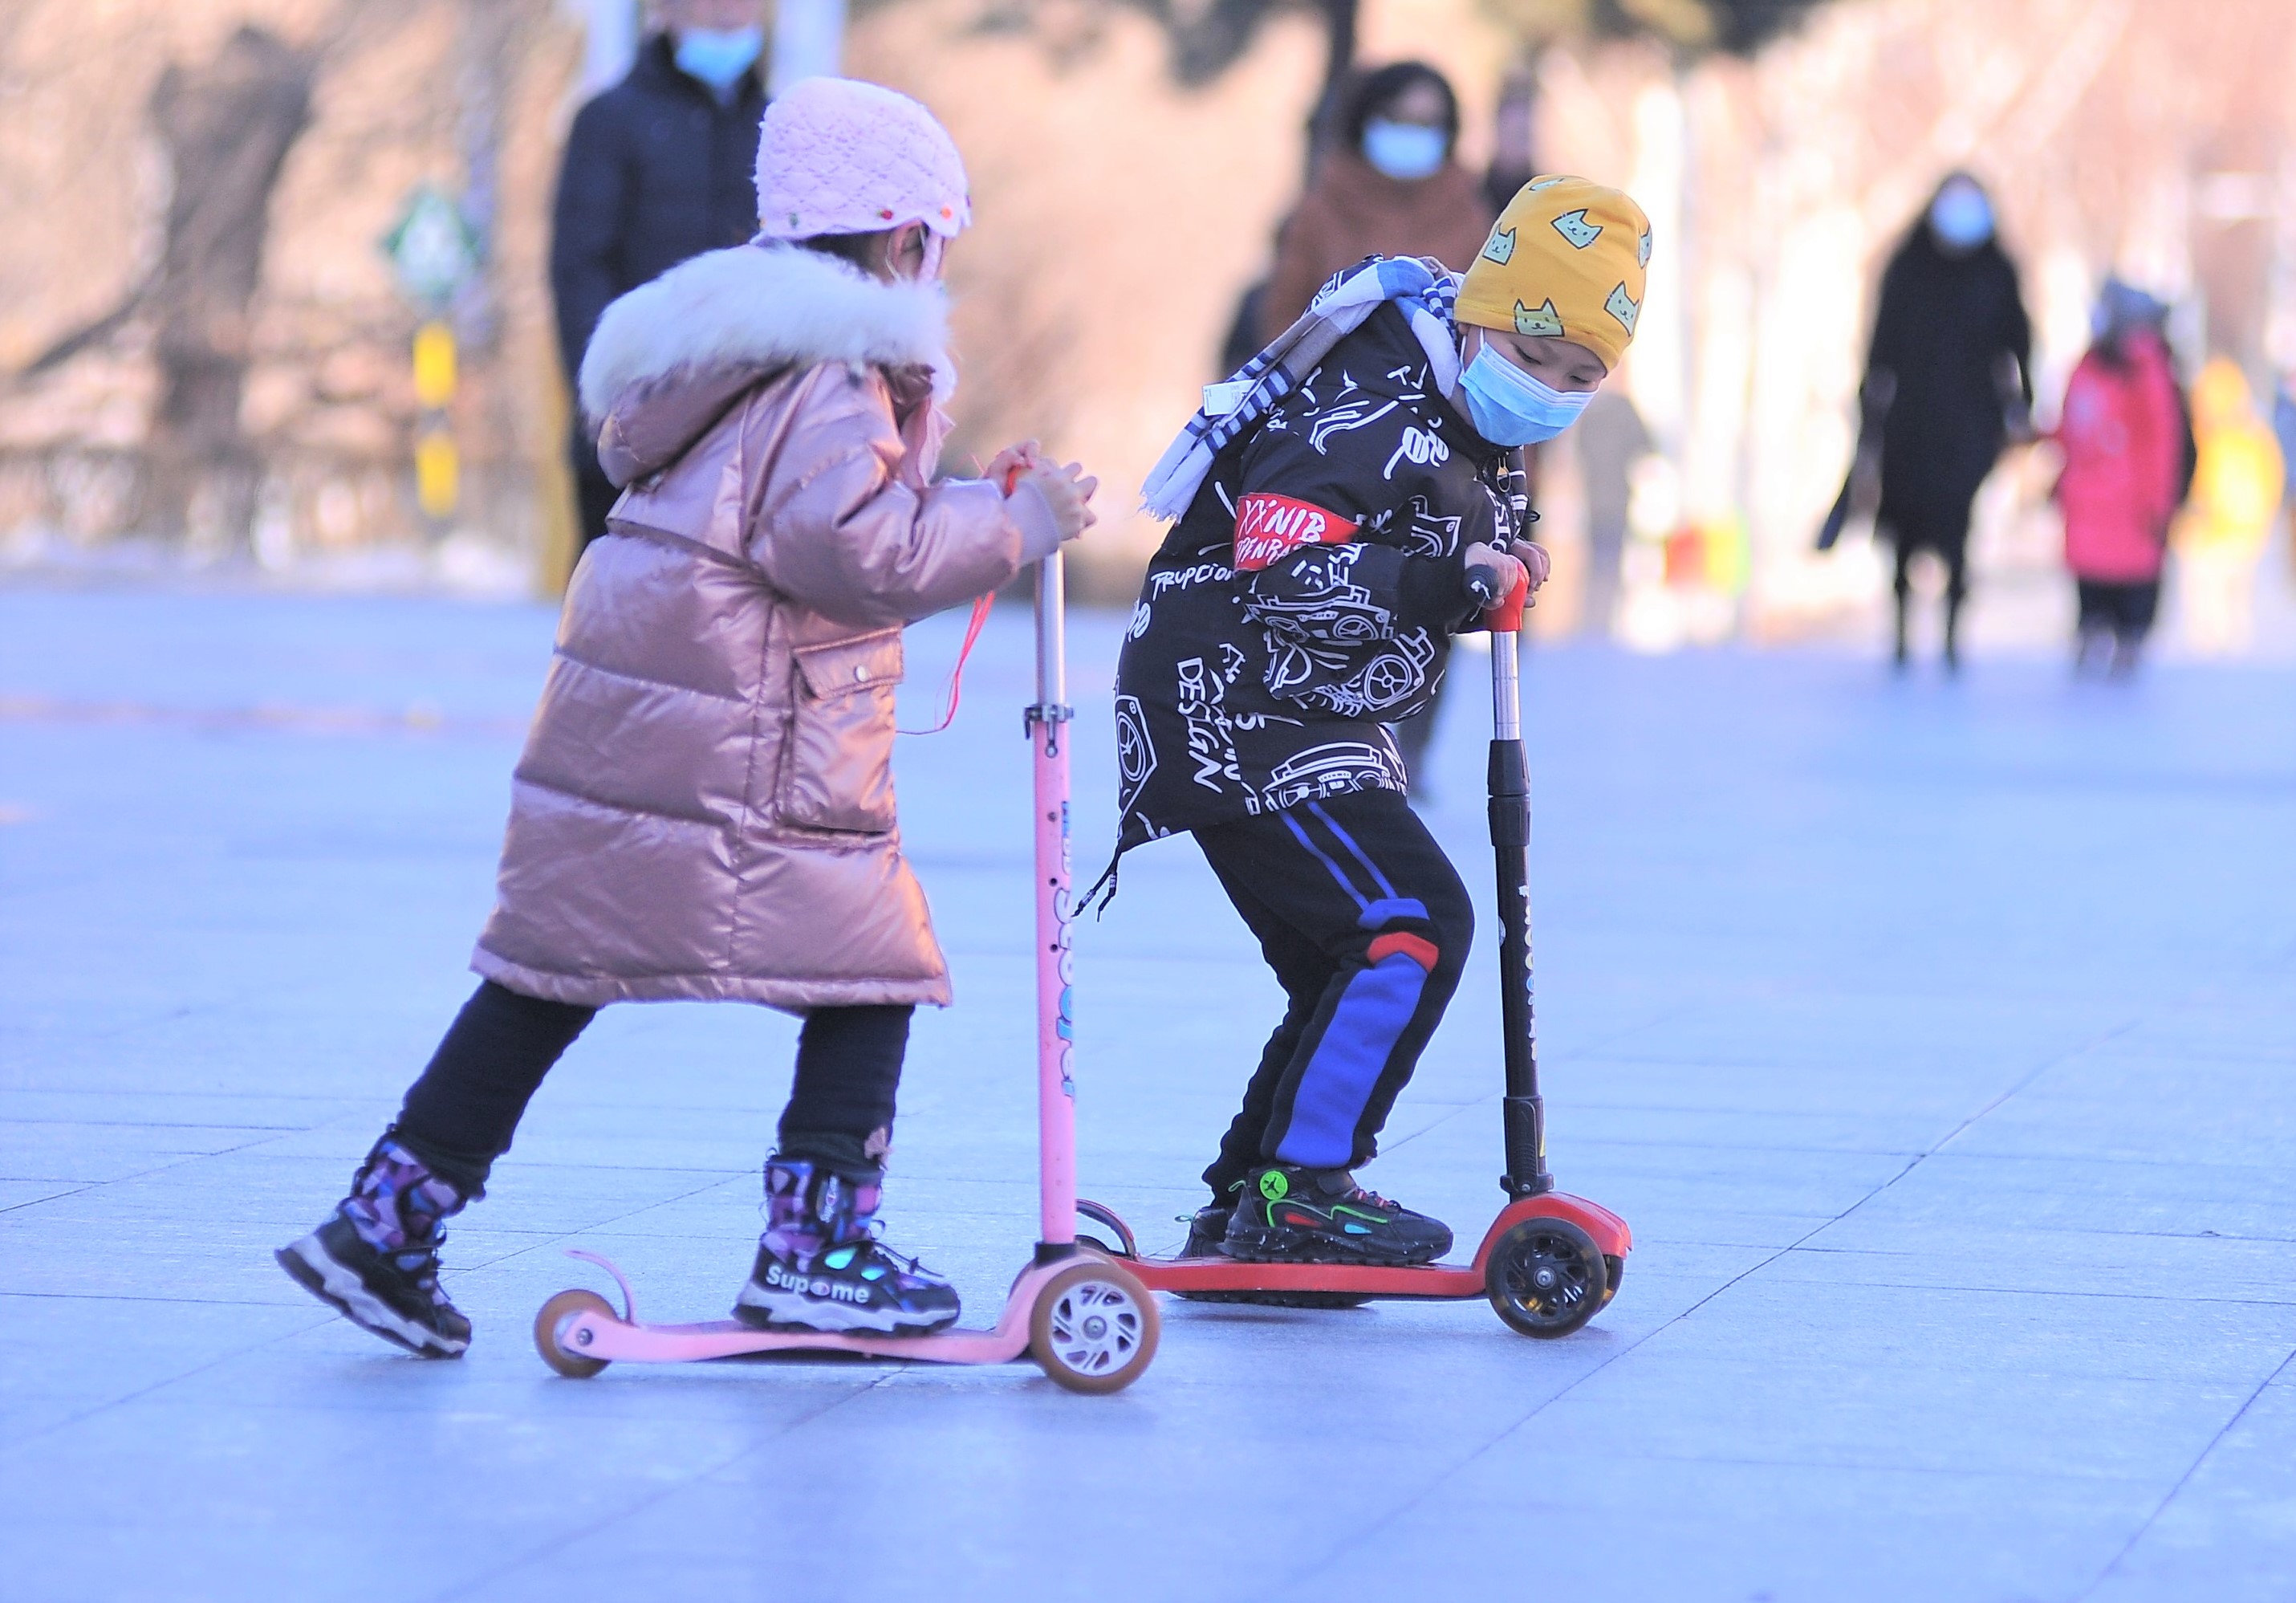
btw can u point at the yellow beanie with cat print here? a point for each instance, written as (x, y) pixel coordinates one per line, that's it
(1565, 261)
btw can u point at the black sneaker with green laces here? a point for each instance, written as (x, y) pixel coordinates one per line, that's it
(1208, 1238)
(1287, 1214)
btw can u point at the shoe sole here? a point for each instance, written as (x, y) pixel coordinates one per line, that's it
(308, 1266)
(1270, 1244)
(786, 1311)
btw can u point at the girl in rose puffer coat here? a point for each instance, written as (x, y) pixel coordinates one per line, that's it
(704, 808)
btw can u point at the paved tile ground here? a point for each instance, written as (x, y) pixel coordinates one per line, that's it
(1938, 1040)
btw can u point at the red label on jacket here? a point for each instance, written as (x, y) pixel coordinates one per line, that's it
(1269, 528)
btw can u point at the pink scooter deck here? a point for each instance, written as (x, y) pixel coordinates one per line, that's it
(588, 1334)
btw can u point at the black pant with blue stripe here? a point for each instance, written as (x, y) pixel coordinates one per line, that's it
(1367, 925)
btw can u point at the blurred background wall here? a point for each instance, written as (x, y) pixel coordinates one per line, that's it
(205, 353)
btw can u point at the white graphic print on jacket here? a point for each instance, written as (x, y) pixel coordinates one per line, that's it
(1306, 599)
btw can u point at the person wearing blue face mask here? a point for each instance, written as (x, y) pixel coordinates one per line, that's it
(1328, 504)
(719, 57)
(656, 169)
(1948, 384)
(1387, 186)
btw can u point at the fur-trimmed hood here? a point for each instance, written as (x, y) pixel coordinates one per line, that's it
(756, 308)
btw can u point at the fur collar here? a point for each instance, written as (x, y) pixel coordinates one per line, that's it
(763, 307)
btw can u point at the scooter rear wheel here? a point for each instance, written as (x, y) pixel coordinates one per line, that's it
(1546, 1277)
(1093, 1327)
(555, 1312)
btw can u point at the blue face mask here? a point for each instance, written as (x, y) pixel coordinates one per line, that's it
(1404, 150)
(1962, 217)
(1511, 407)
(718, 56)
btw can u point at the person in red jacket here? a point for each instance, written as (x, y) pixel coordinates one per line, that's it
(2126, 445)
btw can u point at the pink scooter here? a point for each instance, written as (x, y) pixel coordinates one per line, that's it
(1089, 1322)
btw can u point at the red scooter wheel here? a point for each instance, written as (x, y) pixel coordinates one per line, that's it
(1546, 1277)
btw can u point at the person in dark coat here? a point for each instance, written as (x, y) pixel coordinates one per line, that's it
(1946, 386)
(656, 168)
(1388, 186)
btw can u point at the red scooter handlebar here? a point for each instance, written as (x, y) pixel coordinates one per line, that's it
(1502, 615)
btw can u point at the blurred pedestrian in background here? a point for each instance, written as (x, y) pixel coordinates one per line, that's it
(1388, 186)
(1946, 386)
(656, 168)
(2126, 444)
(2237, 480)
(1611, 438)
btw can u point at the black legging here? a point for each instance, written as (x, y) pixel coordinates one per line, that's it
(459, 1117)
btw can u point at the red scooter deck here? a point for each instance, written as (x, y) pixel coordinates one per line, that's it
(1432, 1281)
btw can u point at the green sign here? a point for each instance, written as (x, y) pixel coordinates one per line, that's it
(432, 250)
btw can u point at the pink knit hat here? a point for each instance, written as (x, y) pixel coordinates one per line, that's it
(836, 155)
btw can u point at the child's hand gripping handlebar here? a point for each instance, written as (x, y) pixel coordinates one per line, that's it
(1067, 491)
(1502, 614)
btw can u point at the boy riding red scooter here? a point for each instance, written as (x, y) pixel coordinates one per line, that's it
(1333, 500)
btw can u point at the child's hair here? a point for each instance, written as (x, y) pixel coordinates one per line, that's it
(858, 249)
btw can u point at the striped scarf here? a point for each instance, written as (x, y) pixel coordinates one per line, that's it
(1420, 286)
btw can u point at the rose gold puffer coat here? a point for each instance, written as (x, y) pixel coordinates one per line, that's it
(705, 805)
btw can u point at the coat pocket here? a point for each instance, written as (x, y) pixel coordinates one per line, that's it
(838, 772)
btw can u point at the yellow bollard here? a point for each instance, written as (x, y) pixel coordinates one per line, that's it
(438, 471)
(438, 467)
(434, 366)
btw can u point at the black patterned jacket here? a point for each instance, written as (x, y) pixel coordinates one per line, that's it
(1307, 598)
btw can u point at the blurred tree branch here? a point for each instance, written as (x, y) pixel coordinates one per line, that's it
(1205, 37)
(226, 126)
(1736, 25)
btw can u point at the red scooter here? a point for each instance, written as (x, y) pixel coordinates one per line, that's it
(1550, 1261)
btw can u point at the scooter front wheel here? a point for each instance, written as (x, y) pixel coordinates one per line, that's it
(1546, 1278)
(555, 1312)
(1093, 1327)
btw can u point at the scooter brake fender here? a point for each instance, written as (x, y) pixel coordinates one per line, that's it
(1127, 1247)
(1609, 1231)
(629, 1300)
